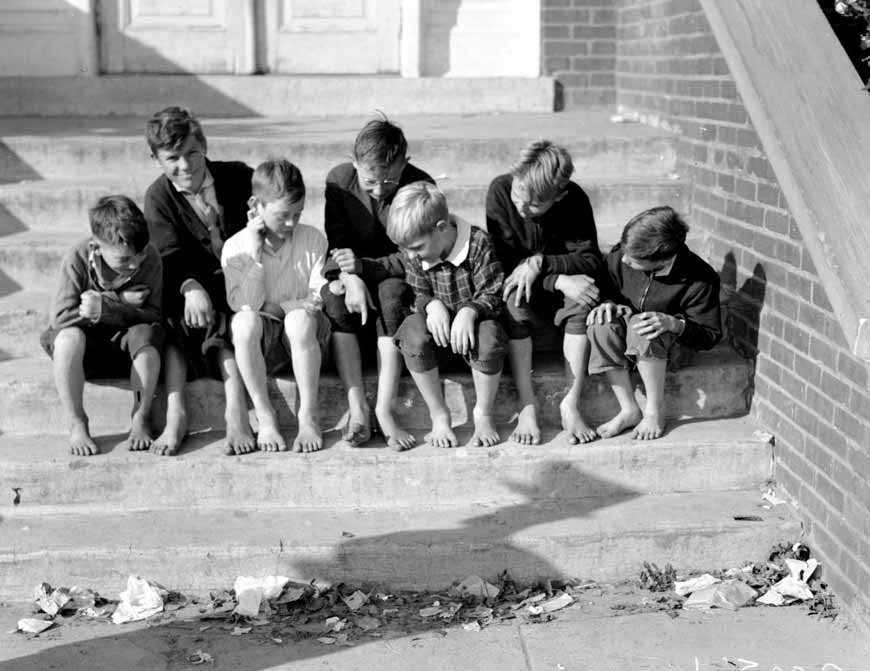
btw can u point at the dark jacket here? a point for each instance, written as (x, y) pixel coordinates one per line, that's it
(355, 220)
(568, 240)
(690, 290)
(183, 240)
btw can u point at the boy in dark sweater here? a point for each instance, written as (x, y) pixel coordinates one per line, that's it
(365, 270)
(543, 231)
(661, 303)
(105, 314)
(192, 208)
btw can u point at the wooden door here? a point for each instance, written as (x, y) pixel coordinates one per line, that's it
(332, 36)
(174, 36)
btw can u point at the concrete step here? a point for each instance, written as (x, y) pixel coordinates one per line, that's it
(23, 316)
(713, 455)
(270, 95)
(717, 384)
(196, 550)
(42, 221)
(462, 147)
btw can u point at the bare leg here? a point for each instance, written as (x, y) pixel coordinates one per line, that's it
(527, 432)
(175, 378)
(629, 412)
(348, 361)
(301, 330)
(240, 438)
(247, 329)
(389, 373)
(652, 372)
(144, 374)
(429, 384)
(576, 350)
(69, 378)
(485, 390)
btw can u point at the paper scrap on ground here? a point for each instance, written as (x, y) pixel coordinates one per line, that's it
(794, 586)
(686, 587)
(474, 586)
(356, 600)
(50, 601)
(199, 657)
(31, 625)
(139, 601)
(252, 592)
(552, 605)
(730, 594)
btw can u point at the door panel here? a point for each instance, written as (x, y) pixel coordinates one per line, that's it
(332, 36)
(167, 36)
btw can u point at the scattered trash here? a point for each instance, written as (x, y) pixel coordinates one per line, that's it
(335, 624)
(139, 601)
(763, 436)
(347, 534)
(16, 499)
(552, 605)
(472, 626)
(241, 631)
(199, 657)
(729, 594)
(252, 593)
(431, 611)
(356, 600)
(794, 586)
(657, 580)
(367, 623)
(50, 601)
(474, 585)
(32, 625)
(326, 640)
(686, 587)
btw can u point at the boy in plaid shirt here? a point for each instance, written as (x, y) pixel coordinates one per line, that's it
(457, 282)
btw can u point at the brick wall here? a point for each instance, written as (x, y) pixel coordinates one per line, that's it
(810, 392)
(578, 47)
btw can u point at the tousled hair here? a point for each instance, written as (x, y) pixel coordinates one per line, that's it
(169, 128)
(380, 143)
(544, 168)
(654, 234)
(277, 179)
(416, 210)
(117, 220)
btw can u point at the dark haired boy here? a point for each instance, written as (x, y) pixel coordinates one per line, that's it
(365, 269)
(661, 303)
(192, 208)
(543, 231)
(106, 313)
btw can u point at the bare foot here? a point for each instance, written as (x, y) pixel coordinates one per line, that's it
(573, 424)
(358, 429)
(397, 438)
(80, 442)
(168, 443)
(309, 438)
(624, 420)
(269, 438)
(527, 431)
(240, 439)
(441, 434)
(652, 426)
(140, 433)
(485, 433)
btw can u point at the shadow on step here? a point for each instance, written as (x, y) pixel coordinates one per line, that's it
(483, 544)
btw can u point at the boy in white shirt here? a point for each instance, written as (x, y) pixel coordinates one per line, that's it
(274, 273)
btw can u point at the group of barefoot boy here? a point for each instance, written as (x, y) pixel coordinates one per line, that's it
(219, 278)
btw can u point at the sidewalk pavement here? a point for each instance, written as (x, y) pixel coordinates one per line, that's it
(581, 638)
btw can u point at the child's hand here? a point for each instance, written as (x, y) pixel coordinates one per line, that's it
(438, 322)
(522, 278)
(345, 258)
(462, 331)
(652, 324)
(356, 297)
(579, 288)
(607, 312)
(256, 232)
(198, 311)
(91, 306)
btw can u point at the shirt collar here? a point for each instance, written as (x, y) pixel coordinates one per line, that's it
(459, 251)
(207, 183)
(661, 272)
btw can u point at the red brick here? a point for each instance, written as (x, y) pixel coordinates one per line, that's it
(859, 403)
(820, 298)
(807, 262)
(832, 439)
(798, 338)
(566, 48)
(852, 369)
(799, 285)
(820, 404)
(784, 304)
(831, 492)
(746, 189)
(555, 31)
(812, 318)
(562, 16)
(835, 388)
(854, 428)
(594, 32)
(807, 370)
(794, 387)
(728, 90)
(553, 4)
(822, 351)
(774, 221)
(554, 65)
(603, 47)
(769, 195)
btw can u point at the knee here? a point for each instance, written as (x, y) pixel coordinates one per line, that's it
(246, 326)
(612, 331)
(301, 328)
(69, 341)
(394, 300)
(491, 341)
(413, 337)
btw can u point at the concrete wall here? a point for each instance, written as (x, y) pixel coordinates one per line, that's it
(578, 47)
(809, 391)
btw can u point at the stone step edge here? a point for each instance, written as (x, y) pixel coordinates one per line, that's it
(599, 540)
